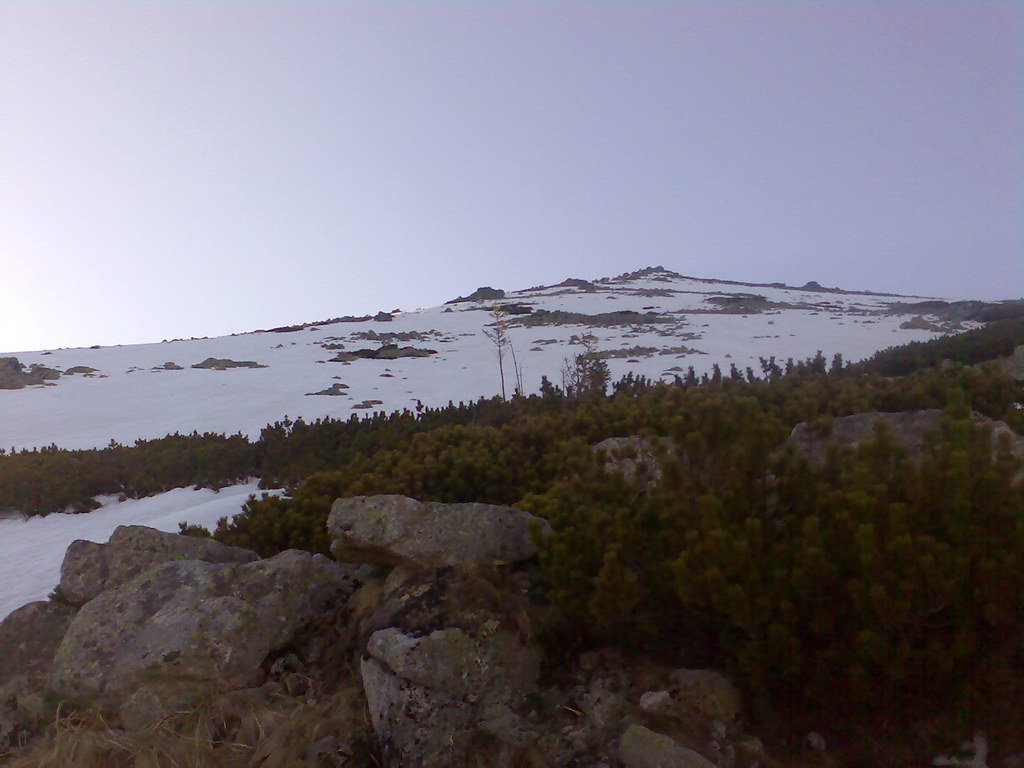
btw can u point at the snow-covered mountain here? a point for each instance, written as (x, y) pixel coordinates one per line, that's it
(653, 322)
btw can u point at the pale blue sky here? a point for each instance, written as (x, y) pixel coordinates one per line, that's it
(197, 168)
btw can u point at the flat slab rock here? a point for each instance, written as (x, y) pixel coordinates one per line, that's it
(396, 530)
(90, 568)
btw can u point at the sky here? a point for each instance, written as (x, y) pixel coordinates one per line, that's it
(177, 169)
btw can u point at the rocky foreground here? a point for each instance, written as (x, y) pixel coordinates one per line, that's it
(425, 622)
(420, 644)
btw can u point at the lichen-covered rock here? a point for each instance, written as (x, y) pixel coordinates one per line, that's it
(396, 530)
(29, 638)
(448, 664)
(908, 429)
(89, 568)
(643, 748)
(425, 694)
(184, 630)
(695, 695)
(635, 458)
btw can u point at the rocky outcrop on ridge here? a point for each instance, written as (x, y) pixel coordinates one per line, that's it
(14, 376)
(484, 293)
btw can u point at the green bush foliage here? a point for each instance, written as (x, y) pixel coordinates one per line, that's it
(876, 578)
(996, 339)
(40, 481)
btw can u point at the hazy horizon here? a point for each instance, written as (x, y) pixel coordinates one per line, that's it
(177, 170)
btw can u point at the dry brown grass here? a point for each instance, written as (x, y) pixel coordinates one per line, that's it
(243, 729)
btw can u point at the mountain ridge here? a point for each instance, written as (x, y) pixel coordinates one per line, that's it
(651, 322)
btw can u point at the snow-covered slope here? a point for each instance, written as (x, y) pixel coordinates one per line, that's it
(684, 321)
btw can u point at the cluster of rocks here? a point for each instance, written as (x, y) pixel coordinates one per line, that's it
(429, 604)
(14, 376)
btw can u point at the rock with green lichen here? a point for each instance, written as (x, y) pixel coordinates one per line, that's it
(396, 530)
(184, 630)
(89, 568)
(429, 694)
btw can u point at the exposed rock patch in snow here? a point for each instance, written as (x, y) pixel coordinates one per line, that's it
(683, 318)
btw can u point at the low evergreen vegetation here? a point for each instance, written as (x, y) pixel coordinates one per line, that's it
(882, 587)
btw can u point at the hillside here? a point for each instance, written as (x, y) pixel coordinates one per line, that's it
(821, 533)
(653, 323)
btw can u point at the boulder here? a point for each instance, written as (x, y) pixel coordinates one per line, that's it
(89, 568)
(185, 630)
(395, 530)
(29, 637)
(908, 429)
(13, 375)
(427, 695)
(635, 458)
(695, 695)
(644, 748)
(451, 675)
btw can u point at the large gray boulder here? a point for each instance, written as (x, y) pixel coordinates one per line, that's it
(397, 530)
(184, 630)
(908, 429)
(89, 568)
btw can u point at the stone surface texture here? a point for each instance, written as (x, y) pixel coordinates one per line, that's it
(89, 568)
(397, 530)
(187, 629)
